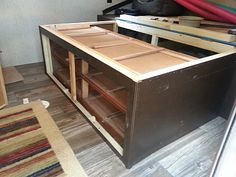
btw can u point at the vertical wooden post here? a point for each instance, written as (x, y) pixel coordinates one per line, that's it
(47, 54)
(72, 75)
(84, 84)
(154, 40)
(115, 27)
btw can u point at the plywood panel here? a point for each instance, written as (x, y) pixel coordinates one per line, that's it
(151, 62)
(11, 75)
(122, 50)
(90, 40)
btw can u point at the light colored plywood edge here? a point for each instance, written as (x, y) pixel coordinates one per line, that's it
(72, 75)
(115, 28)
(155, 40)
(104, 59)
(82, 25)
(190, 30)
(204, 32)
(91, 118)
(185, 39)
(178, 56)
(84, 84)
(3, 90)
(47, 53)
(147, 20)
(185, 65)
(176, 19)
(87, 34)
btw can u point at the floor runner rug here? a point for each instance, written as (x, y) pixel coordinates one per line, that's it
(32, 145)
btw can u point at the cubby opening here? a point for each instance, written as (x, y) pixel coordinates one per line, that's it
(105, 99)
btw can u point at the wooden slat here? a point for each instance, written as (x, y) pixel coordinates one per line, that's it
(86, 34)
(108, 44)
(84, 84)
(125, 57)
(110, 95)
(83, 25)
(150, 20)
(185, 39)
(179, 56)
(72, 75)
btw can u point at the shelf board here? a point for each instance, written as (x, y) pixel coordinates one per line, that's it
(111, 91)
(108, 116)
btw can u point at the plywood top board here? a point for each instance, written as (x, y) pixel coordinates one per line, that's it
(11, 75)
(135, 59)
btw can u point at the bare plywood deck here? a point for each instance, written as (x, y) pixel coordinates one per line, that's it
(118, 48)
(191, 155)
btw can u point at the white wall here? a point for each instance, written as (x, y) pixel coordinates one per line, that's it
(19, 21)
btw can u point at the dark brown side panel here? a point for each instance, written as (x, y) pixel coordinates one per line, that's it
(173, 104)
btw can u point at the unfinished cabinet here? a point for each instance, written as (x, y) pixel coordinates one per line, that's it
(140, 97)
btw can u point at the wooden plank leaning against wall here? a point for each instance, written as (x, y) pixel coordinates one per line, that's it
(3, 94)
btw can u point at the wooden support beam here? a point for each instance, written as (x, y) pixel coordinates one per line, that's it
(47, 54)
(84, 84)
(109, 44)
(115, 28)
(125, 57)
(182, 57)
(72, 75)
(86, 34)
(155, 40)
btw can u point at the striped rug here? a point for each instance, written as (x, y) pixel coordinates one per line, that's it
(25, 150)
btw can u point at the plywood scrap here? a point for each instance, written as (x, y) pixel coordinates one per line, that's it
(11, 75)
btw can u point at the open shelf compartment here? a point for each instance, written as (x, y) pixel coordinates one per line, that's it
(108, 116)
(105, 99)
(114, 93)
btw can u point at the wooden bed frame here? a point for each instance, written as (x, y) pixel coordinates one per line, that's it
(140, 97)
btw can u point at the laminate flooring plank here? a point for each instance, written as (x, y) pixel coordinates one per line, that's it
(213, 124)
(98, 160)
(197, 156)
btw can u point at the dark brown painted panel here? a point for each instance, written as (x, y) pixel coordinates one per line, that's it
(171, 105)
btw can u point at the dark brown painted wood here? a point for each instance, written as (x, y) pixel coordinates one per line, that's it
(171, 105)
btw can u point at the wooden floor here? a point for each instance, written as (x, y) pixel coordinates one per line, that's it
(190, 156)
